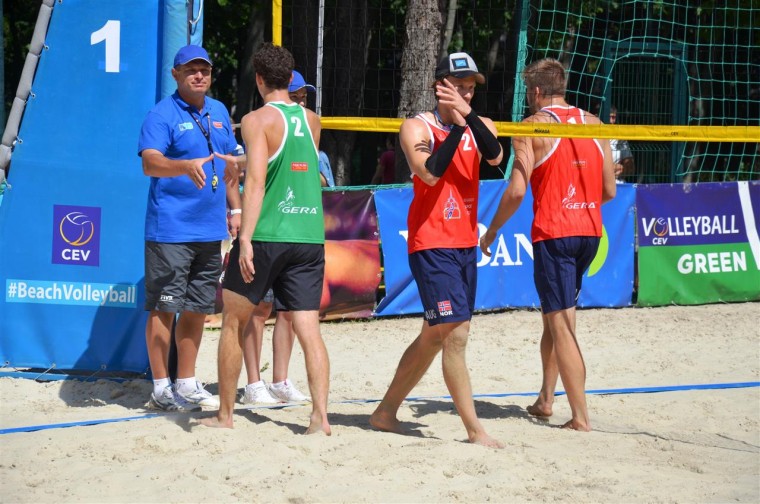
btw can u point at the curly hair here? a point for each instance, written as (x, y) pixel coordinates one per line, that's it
(546, 74)
(275, 65)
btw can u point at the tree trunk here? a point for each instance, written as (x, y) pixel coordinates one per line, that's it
(422, 36)
(448, 33)
(247, 96)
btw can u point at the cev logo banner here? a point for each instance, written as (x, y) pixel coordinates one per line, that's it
(76, 235)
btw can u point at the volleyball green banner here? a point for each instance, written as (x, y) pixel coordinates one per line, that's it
(698, 243)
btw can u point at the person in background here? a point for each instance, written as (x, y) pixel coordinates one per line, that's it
(185, 223)
(385, 173)
(622, 157)
(570, 179)
(297, 90)
(444, 148)
(282, 389)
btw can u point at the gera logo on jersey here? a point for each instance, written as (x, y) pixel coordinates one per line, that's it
(76, 235)
(287, 205)
(569, 201)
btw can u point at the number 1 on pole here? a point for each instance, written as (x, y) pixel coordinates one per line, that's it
(111, 34)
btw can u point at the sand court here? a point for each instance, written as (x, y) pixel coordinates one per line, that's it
(696, 440)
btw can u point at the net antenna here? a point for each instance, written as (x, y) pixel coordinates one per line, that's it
(320, 54)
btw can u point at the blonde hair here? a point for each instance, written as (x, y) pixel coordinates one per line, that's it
(548, 75)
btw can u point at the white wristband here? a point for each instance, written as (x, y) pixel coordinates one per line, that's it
(236, 211)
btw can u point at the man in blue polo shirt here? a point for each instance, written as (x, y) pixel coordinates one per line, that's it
(185, 223)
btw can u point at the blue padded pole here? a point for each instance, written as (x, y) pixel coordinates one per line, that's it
(182, 22)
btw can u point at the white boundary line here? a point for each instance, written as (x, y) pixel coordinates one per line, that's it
(749, 221)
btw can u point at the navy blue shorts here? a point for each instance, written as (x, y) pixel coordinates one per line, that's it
(558, 267)
(446, 280)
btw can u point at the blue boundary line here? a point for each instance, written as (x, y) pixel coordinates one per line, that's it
(630, 390)
(34, 428)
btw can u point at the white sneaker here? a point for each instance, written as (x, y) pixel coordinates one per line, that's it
(167, 401)
(257, 393)
(199, 396)
(287, 392)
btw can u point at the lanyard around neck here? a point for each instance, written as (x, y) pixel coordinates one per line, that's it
(207, 136)
(206, 133)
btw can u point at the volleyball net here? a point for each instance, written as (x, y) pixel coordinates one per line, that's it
(684, 76)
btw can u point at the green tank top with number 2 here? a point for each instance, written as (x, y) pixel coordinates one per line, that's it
(292, 209)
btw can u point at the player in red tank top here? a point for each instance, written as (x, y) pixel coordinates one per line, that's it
(444, 215)
(570, 179)
(443, 148)
(567, 190)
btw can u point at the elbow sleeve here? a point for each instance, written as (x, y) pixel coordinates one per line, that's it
(487, 143)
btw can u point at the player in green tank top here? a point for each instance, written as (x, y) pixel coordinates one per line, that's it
(292, 207)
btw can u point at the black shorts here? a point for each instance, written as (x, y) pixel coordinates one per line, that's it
(294, 271)
(182, 276)
(558, 267)
(447, 279)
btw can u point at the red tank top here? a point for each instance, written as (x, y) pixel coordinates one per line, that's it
(567, 184)
(446, 215)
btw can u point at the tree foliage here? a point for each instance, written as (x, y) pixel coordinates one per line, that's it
(373, 64)
(18, 26)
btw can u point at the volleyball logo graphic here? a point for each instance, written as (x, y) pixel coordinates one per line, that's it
(77, 229)
(76, 235)
(660, 227)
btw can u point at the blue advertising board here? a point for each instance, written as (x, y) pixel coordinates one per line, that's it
(506, 278)
(71, 227)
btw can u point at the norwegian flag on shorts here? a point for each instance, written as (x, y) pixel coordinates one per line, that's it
(444, 306)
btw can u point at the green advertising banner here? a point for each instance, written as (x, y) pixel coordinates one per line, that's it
(698, 243)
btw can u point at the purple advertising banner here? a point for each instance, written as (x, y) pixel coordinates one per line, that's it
(699, 214)
(76, 235)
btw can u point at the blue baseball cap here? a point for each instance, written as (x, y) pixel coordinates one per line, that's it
(191, 53)
(298, 82)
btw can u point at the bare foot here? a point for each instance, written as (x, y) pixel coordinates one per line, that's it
(386, 423)
(486, 440)
(216, 422)
(540, 409)
(316, 429)
(319, 424)
(575, 425)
